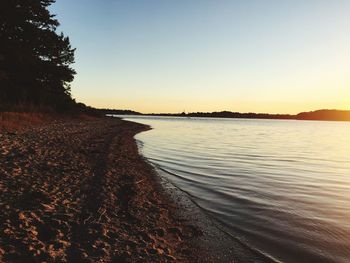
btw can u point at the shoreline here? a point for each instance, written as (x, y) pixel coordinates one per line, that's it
(215, 243)
(79, 191)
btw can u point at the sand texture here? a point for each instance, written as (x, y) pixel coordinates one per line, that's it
(78, 191)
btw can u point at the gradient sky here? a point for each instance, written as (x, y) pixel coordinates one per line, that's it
(201, 55)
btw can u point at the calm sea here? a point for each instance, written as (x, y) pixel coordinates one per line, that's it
(281, 187)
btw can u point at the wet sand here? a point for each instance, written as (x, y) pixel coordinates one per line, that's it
(78, 191)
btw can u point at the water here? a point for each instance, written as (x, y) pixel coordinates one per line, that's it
(282, 187)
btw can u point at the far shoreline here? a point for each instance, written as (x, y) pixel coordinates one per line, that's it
(211, 117)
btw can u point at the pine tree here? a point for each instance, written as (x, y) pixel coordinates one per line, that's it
(34, 59)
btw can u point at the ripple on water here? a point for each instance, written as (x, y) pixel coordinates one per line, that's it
(281, 186)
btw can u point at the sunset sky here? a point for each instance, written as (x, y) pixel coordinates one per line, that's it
(200, 55)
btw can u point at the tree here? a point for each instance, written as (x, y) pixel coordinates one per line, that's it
(34, 59)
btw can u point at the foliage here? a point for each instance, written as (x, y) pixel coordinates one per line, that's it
(34, 59)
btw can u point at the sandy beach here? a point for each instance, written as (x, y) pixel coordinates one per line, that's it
(174, 131)
(78, 191)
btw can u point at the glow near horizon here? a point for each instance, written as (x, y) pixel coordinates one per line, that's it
(169, 56)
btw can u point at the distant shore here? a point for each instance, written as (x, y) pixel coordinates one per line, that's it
(318, 115)
(78, 191)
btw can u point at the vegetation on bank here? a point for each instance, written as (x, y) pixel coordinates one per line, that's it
(35, 60)
(332, 115)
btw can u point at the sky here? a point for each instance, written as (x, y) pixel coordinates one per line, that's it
(209, 55)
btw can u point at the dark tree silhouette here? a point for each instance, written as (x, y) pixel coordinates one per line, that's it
(34, 59)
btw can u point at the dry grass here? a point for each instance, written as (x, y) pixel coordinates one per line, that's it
(10, 121)
(15, 121)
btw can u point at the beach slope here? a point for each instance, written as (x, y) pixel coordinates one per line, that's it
(78, 191)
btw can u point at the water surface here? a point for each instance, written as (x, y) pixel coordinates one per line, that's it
(282, 187)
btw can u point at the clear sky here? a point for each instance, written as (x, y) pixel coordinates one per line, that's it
(210, 55)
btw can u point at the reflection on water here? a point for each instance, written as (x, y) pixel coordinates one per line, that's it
(282, 187)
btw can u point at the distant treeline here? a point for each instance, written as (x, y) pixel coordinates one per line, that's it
(331, 115)
(229, 114)
(35, 60)
(119, 112)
